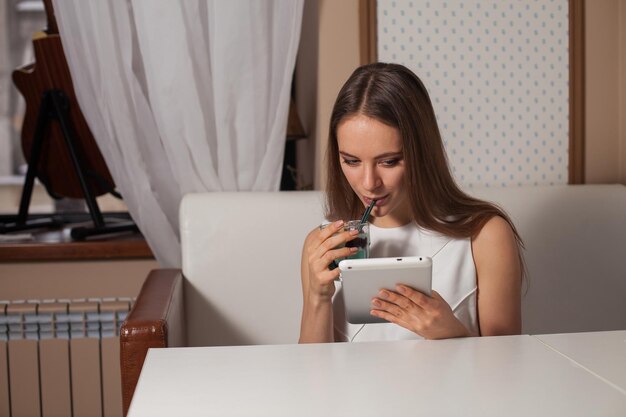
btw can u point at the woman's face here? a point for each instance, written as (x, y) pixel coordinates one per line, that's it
(370, 155)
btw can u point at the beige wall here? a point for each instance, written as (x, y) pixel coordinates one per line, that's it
(605, 37)
(55, 280)
(338, 57)
(332, 33)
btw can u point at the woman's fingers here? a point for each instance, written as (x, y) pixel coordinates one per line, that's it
(430, 317)
(401, 300)
(333, 246)
(329, 230)
(391, 308)
(338, 240)
(335, 254)
(397, 308)
(324, 248)
(385, 315)
(333, 235)
(319, 265)
(434, 294)
(328, 276)
(321, 276)
(416, 297)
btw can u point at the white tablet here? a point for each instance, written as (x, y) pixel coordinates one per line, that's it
(362, 279)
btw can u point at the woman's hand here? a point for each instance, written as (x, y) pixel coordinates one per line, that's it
(320, 251)
(429, 317)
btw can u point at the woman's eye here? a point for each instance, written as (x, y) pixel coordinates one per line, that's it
(350, 162)
(389, 162)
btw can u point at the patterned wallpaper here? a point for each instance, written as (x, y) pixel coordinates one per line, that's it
(498, 75)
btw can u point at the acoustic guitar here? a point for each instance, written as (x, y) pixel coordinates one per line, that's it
(57, 142)
(49, 73)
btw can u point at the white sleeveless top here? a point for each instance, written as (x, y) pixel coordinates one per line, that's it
(454, 278)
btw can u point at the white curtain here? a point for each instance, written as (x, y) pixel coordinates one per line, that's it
(183, 96)
(6, 145)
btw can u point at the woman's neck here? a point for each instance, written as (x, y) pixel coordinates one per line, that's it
(388, 222)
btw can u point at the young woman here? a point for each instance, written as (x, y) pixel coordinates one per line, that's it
(385, 145)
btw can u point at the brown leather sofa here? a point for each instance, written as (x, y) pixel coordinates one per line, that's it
(156, 321)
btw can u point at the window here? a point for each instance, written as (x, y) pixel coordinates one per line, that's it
(20, 20)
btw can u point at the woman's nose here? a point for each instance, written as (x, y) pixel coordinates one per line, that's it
(371, 179)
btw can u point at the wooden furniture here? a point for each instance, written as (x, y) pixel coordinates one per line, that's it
(491, 376)
(55, 245)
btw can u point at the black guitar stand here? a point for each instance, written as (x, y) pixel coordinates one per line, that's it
(55, 106)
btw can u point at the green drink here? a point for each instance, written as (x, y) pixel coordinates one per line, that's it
(361, 241)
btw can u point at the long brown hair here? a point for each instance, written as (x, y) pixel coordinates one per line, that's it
(395, 96)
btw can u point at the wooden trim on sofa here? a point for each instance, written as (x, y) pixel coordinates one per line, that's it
(155, 321)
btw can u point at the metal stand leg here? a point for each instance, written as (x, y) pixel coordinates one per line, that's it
(55, 105)
(60, 106)
(22, 222)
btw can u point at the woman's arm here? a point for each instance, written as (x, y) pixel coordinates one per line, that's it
(318, 284)
(499, 276)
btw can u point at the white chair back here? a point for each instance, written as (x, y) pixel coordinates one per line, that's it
(575, 238)
(241, 260)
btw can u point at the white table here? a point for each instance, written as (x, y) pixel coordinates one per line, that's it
(490, 376)
(601, 353)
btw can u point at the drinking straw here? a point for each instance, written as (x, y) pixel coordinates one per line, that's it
(367, 213)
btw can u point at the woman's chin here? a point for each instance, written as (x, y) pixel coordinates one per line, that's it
(379, 212)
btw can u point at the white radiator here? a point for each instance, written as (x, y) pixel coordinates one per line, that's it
(60, 358)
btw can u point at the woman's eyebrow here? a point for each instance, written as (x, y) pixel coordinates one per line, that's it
(346, 154)
(384, 155)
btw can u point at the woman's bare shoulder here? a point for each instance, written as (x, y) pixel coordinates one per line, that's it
(495, 247)
(495, 231)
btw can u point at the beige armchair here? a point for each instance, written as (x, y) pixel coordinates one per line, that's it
(240, 279)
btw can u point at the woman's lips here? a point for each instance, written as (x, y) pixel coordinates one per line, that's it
(379, 200)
